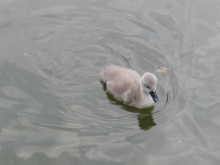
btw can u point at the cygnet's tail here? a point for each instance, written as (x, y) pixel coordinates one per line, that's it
(104, 85)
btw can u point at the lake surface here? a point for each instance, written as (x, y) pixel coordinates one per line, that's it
(53, 109)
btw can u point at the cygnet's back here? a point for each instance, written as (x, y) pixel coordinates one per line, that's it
(122, 83)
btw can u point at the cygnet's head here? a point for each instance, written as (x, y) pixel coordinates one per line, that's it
(149, 85)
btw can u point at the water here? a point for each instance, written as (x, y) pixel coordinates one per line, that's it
(53, 109)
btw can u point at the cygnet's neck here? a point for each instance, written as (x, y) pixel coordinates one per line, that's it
(146, 98)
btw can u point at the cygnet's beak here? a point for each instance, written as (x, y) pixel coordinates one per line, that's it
(154, 96)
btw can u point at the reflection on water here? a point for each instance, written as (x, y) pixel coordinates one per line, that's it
(145, 121)
(144, 117)
(52, 106)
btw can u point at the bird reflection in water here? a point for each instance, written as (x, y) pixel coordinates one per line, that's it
(144, 116)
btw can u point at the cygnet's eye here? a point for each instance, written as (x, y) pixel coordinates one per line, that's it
(148, 87)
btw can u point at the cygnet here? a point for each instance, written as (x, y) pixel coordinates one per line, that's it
(128, 86)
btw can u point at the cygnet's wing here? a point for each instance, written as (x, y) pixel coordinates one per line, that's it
(120, 81)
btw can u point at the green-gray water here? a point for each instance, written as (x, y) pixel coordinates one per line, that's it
(53, 109)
